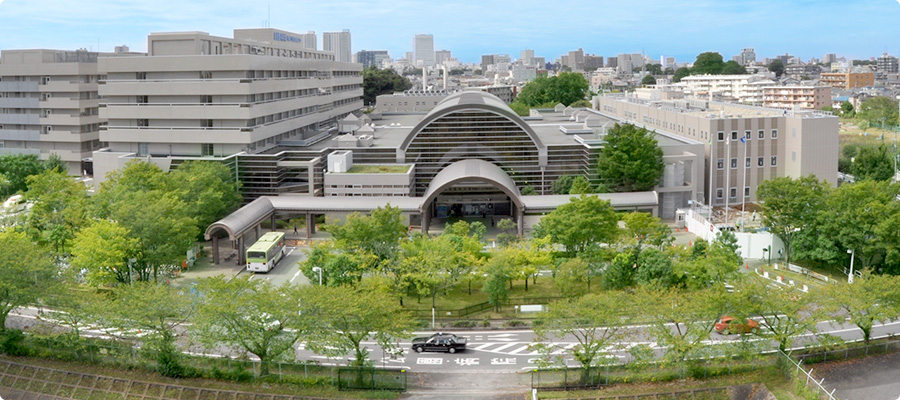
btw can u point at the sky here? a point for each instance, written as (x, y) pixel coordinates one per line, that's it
(857, 29)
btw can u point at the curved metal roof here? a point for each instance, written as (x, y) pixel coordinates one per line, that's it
(243, 219)
(475, 100)
(473, 170)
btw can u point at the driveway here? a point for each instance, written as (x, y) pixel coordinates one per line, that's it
(870, 378)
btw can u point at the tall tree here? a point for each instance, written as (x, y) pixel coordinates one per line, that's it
(681, 323)
(581, 185)
(869, 299)
(879, 110)
(641, 227)
(102, 250)
(595, 322)
(790, 205)
(382, 81)
(681, 73)
(631, 159)
(648, 80)
(345, 318)
(155, 310)
(377, 234)
(731, 67)
(580, 222)
(782, 314)
(60, 207)
(562, 185)
(209, 188)
(708, 63)
(15, 168)
(873, 162)
(565, 88)
(776, 66)
(26, 273)
(252, 315)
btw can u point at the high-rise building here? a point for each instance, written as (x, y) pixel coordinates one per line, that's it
(442, 56)
(423, 46)
(829, 58)
(49, 104)
(747, 56)
(847, 80)
(486, 60)
(337, 43)
(593, 61)
(886, 64)
(198, 96)
(527, 57)
(373, 58)
(576, 59)
(624, 64)
(308, 40)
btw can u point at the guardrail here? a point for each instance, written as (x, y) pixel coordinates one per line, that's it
(816, 385)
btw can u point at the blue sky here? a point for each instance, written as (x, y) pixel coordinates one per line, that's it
(683, 29)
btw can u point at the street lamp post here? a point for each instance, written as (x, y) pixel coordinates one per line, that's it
(319, 271)
(768, 251)
(852, 256)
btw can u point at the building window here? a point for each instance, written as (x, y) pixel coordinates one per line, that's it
(733, 135)
(206, 123)
(205, 75)
(142, 99)
(140, 76)
(746, 191)
(747, 163)
(762, 134)
(205, 99)
(720, 163)
(760, 162)
(747, 135)
(143, 122)
(206, 149)
(774, 160)
(721, 136)
(732, 193)
(734, 163)
(774, 133)
(143, 149)
(720, 193)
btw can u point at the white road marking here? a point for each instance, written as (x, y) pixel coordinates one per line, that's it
(497, 350)
(295, 275)
(518, 350)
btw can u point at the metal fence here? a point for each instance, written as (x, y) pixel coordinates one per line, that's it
(811, 382)
(843, 354)
(476, 308)
(362, 378)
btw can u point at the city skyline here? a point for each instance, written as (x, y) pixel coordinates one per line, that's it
(803, 28)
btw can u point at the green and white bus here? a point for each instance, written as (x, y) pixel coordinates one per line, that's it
(266, 252)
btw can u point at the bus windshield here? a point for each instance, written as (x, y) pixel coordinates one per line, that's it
(256, 254)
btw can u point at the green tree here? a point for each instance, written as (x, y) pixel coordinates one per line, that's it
(75, 307)
(26, 273)
(498, 274)
(436, 264)
(209, 188)
(595, 322)
(847, 109)
(776, 66)
(252, 315)
(382, 81)
(879, 110)
(782, 314)
(55, 163)
(643, 227)
(507, 233)
(631, 159)
(869, 299)
(873, 162)
(565, 88)
(345, 318)
(620, 272)
(60, 207)
(102, 250)
(789, 205)
(681, 322)
(648, 80)
(733, 68)
(562, 185)
(654, 268)
(580, 222)
(15, 168)
(580, 185)
(681, 73)
(570, 277)
(708, 63)
(155, 310)
(377, 234)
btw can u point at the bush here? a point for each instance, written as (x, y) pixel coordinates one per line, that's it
(12, 343)
(235, 374)
(486, 323)
(464, 324)
(514, 323)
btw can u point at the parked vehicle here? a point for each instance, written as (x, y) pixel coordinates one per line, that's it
(439, 342)
(729, 325)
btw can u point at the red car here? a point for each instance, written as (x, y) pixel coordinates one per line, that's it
(728, 325)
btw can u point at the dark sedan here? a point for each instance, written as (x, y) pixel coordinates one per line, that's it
(439, 342)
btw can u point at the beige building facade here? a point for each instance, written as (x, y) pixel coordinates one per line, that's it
(49, 104)
(847, 80)
(745, 145)
(200, 96)
(799, 97)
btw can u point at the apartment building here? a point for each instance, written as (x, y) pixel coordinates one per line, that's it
(49, 104)
(197, 96)
(745, 145)
(797, 97)
(847, 80)
(745, 89)
(337, 43)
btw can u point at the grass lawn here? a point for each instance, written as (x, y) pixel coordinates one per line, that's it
(378, 169)
(850, 133)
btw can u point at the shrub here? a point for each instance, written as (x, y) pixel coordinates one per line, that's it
(514, 323)
(464, 324)
(486, 323)
(12, 342)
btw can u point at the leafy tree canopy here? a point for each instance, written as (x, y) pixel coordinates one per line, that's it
(873, 162)
(15, 168)
(565, 88)
(579, 223)
(382, 81)
(708, 63)
(631, 159)
(878, 110)
(777, 67)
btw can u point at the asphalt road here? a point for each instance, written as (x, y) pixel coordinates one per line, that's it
(287, 270)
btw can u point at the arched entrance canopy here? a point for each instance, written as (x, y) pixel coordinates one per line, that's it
(472, 170)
